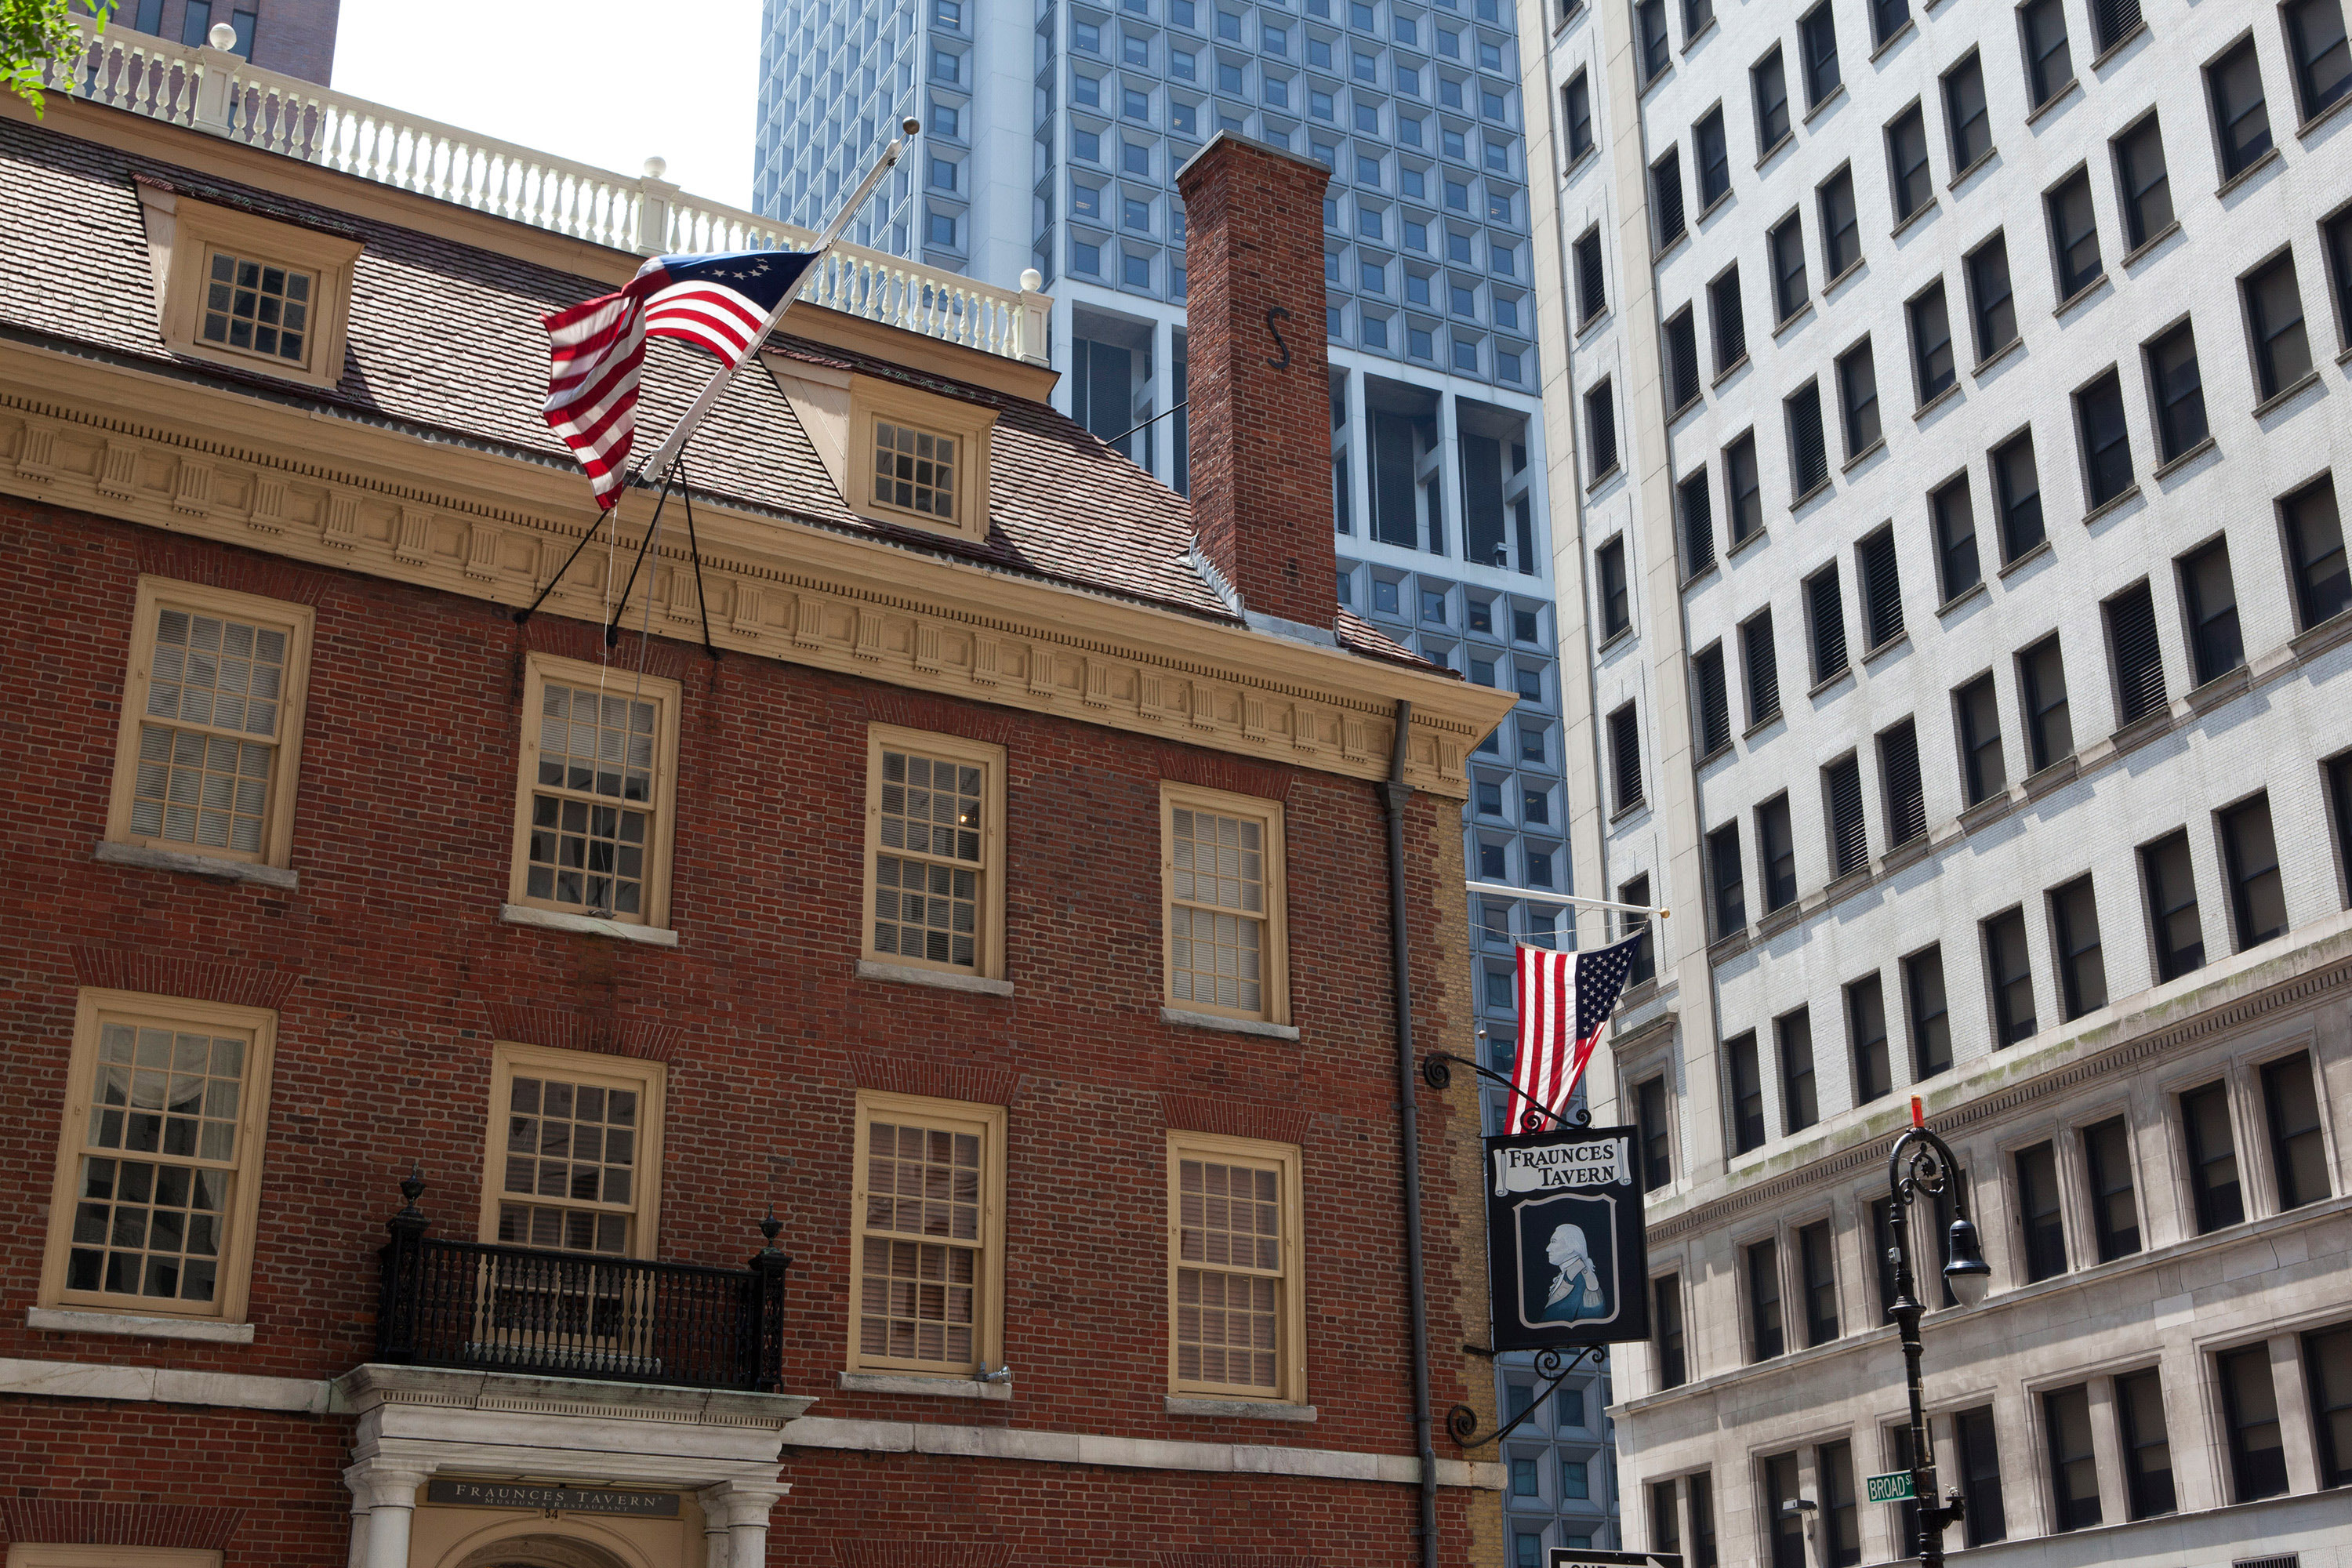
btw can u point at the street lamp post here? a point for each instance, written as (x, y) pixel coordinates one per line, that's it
(1920, 1163)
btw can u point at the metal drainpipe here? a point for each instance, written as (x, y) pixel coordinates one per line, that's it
(1394, 793)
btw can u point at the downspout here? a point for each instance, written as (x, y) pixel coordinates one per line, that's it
(1394, 793)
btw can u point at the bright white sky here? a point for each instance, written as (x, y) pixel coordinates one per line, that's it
(598, 81)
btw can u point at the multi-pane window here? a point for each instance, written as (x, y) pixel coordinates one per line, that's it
(159, 1157)
(1825, 614)
(1222, 873)
(1776, 853)
(2282, 348)
(1696, 502)
(915, 471)
(1898, 770)
(211, 716)
(1725, 882)
(1954, 515)
(1783, 1524)
(2147, 1447)
(2082, 966)
(1816, 1255)
(1698, 16)
(1865, 1018)
(1933, 366)
(2217, 1194)
(927, 1242)
(1767, 82)
(1576, 110)
(1966, 119)
(1666, 196)
(2257, 892)
(1657, 50)
(1743, 489)
(1973, 1433)
(1800, 1098)
(1600, 429)
(2049, 60)
(2179, 392)
(2328, 1367)
(1665, 1515)
(1992, 304)
(1625, 756)
(2144, 181)
(1901, 1451)
(1656, 1129)
(1727, 320)
(256, 306)
(2322, 60)
(1746, 1086)
(1911, 182)
(1711, 702)
(2105, 440)
(2242, 121)
(2114, 1204)
(577, 1156)
(934, 830)
(2042, 682)
(1857, 371)
(1682, 360)
(1236, 1317)
(1609, 563)
(2315, 551)
(2039, 1216)
(1887, 19)
(1984, 768)
(1787, 244)
(2017, 478)
(1762, 666)
(1766, 1337)
(598, 759)
(2132, 646)
(2298, 1148)
(1840, 225)
(1808, 457)
(1849, 829)
(2209, 597)
(1817, 38)
(2172, 915)
(2250, 1411)
(2009, 974)
(2074, 235)
(1714, 158)
(2073, 1472)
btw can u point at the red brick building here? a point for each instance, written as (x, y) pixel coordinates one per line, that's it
(918, 1083)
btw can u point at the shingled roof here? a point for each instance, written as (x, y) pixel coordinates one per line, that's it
(445, 340)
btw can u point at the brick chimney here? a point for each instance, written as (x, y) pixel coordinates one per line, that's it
(1258, 378)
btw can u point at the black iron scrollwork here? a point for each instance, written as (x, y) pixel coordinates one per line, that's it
(1552, 1363)
(1278, 313)
(1438, 1074)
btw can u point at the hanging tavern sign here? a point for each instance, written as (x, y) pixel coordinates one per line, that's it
(1566, 1262)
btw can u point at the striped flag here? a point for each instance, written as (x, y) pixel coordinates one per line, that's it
(720, 302)
(1565, 998)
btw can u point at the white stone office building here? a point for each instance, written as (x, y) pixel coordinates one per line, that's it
(1947, 453)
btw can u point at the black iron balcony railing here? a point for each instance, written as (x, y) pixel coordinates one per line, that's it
(486, 1307)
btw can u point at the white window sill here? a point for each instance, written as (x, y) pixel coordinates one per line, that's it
(1239, 1409)
(944, 979)
(587, 925)
(1231, 1026)
(910, 1383)
(78, 1321)
(150, 858)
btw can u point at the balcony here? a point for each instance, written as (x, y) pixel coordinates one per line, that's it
(483, 1306)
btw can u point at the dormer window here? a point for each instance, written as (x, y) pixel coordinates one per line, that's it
(915, 471)
(896, 453)
(242, 290)
(256, 306)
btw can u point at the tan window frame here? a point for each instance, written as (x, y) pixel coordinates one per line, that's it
(46, 1554)
(641, 1211)
(185, 236)
(594, 810)
(967, 424)
(1187, 967)
(151, 1188)
(987, 872)
(1197, 1271)
(917, 1289)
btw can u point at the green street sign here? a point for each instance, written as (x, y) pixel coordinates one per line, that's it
(1895, 1487)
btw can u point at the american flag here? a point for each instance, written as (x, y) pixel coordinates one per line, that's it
(1565, 998)
(720, 302)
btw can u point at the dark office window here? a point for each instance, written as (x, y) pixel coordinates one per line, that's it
(1728, 320)
(2138, 661)
(2107, 443)
(1817, 1255)
(1906, 801)
(2337, 232)
(2257, 894)
(1817, 37)
(1841, 1542)
(2037, 1212)
(1714, 158)
(2074, 235)
(2020, 484)
(2339, 807)
(2082, 967)
(2041, 675)
(1712, 701)
(1766, 1338)
(1702, 1521)
(2179, 391)
(196, 22)
(1591, 298)
(2274, 317)
(1666, 1516)
(1666, 196)
(150, 17)
(2242, 122)
(1955, 519)
(1625, 756)
(1910, 181)
(1744, 489)
(1886, 18)
(1576, 108)
(1730, 896)
(1610, 562)
(1528, 1550)
(2146, 1450)
(2146, 183)
(2249, 1408)
(2327, 1368)
(1783, 1527)
(2074, 1473)
(2114, 1204)
(1882, 1250)
(2213, 1157)
(2172, 906)
(1840, 225)
(1666, 1329)
(1900, 1453)
(1697, 17)
(2008, 969)
(1698, 507)
(1682, 360)
(1800, 1104)
(1865, 1022)
(1763, 669)
(1825, 610)
(1857, 371)
(2113, 21)
(1882, 588)
(1600, 429)
(1968, 123)
(1991, 299)
(1787, 244)
(1777, 852)
(1808, 457)
(1657, 1135)
(1747, 1094)
(1767, 82)
(1849, 829)
(1985, 770)
(1980, 1475)
(1644, 966)
(2323, 63)
(2315, 542)
(2298, 1154)
(1932, 362)
(2049, 61)
(1657, 51)
(1931, 1025)
(2211, 599)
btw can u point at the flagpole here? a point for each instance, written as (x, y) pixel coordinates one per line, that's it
(656, 468)
(1497, 891)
